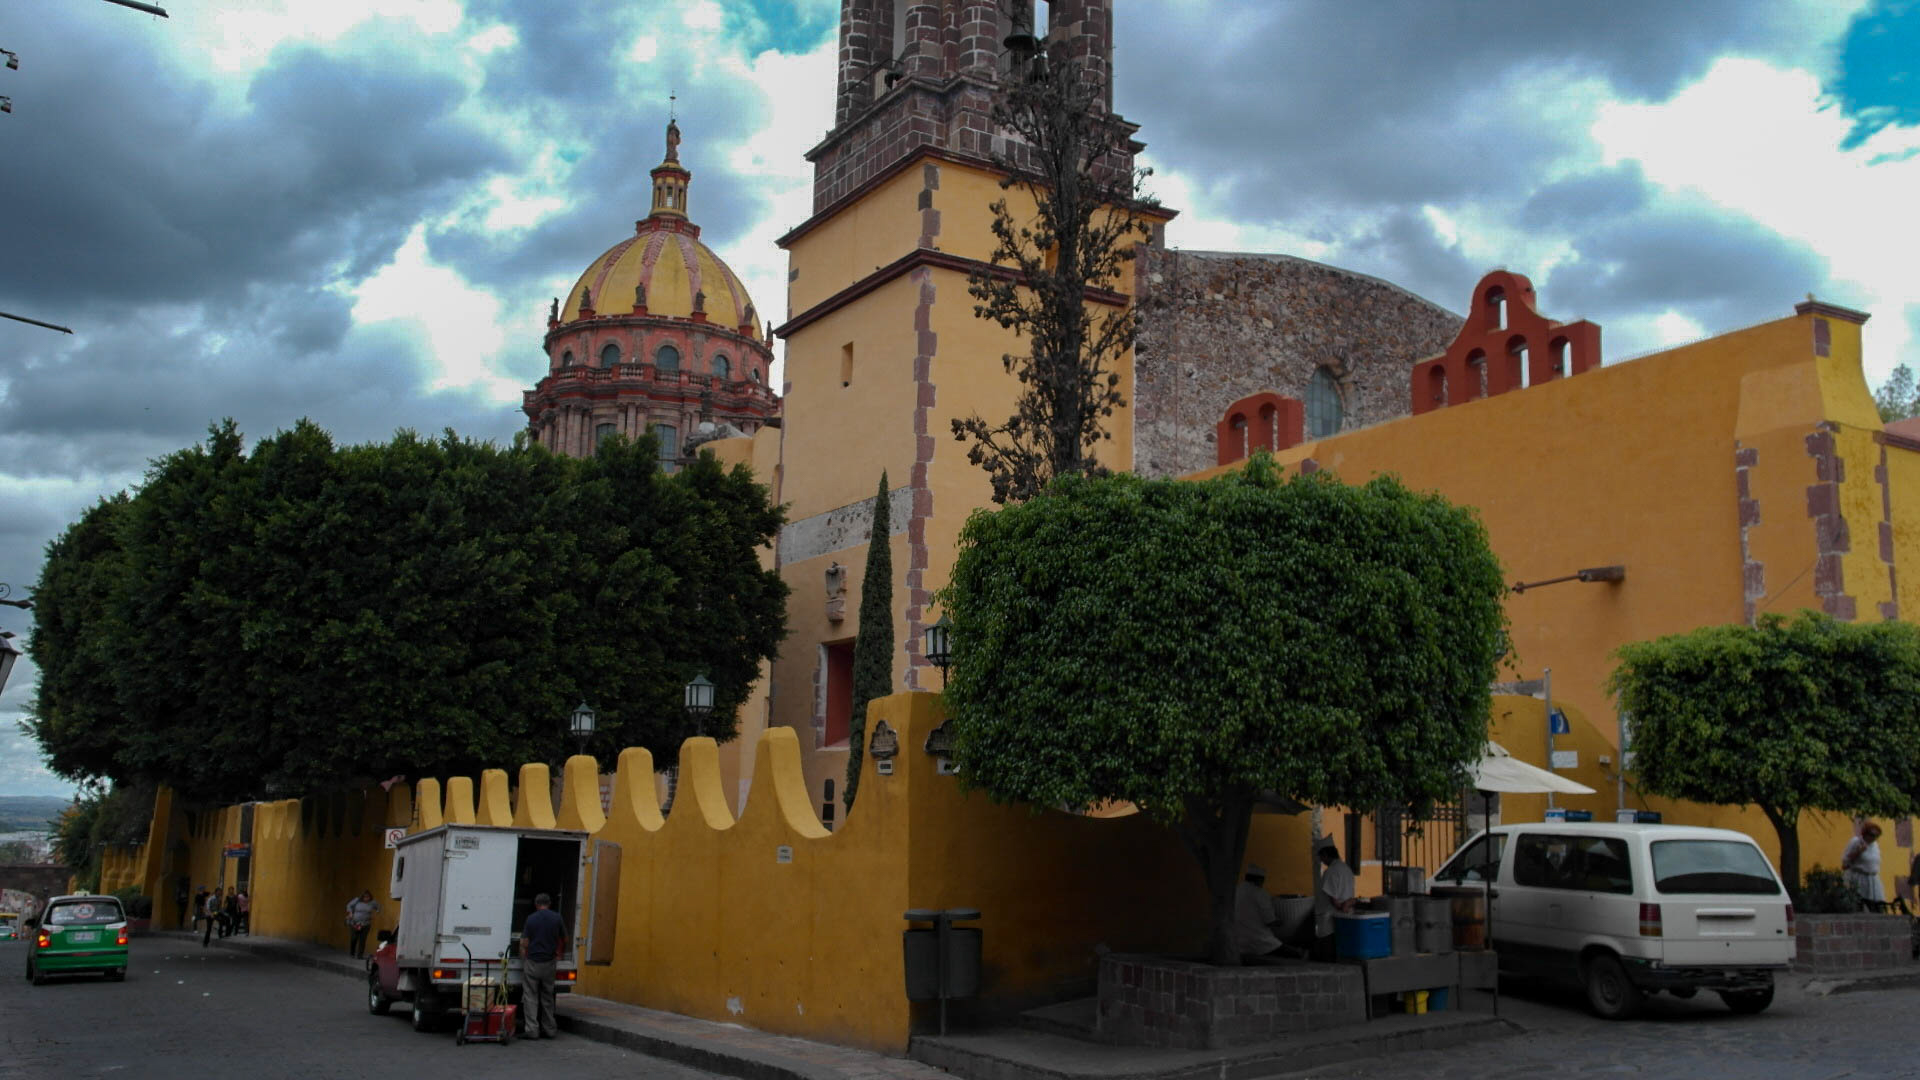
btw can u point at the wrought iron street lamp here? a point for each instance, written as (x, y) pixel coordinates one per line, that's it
(581, 724)
(937, 642)
(699, 699)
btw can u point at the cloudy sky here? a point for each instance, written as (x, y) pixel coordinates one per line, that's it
(357, 210)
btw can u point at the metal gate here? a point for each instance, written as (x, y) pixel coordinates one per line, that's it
(1400, 839)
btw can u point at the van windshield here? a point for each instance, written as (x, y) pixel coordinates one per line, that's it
(1712, 866)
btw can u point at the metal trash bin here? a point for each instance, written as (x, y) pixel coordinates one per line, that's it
(942, 961)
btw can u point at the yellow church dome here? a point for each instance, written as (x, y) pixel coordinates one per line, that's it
(663, 267)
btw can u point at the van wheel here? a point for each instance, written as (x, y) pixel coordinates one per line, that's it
(423, 1010)
(377, 1003)
(1748, 1002)
(1610, 994)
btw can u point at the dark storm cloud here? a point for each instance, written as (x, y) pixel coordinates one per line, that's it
(1602, 195)
(1723, 271)
(1302, 108)
(612, 140)
(1406, 251)
(137, 187)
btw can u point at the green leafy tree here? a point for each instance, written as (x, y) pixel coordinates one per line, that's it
(873, 647)
(1189, 647)
(305, 617)
(1068, 159)
(100, 815)
(1898, 398)
(1787, 715)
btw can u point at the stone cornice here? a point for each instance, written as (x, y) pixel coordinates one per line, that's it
(659, 322)
(906, 264)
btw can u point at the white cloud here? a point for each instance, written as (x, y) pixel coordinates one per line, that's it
(237, 36)
(1761, 141)
(460, 323)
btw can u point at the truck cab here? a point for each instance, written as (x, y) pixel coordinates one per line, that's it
(465, 891)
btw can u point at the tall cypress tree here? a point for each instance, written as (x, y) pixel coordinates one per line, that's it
(873, 648)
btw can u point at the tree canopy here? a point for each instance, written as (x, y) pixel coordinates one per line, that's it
(308, 616)
(1189, 646)
(1898, 398)
(1068, 160)
(1787, 715)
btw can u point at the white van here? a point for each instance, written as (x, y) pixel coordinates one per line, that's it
(1626, 910)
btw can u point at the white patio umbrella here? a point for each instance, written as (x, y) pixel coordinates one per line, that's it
(1498, 770)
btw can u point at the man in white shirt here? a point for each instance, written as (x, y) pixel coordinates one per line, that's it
(1335, 893)
(1253, 916)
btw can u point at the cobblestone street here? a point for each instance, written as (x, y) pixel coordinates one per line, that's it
(1803, 1036)
(209, 1014)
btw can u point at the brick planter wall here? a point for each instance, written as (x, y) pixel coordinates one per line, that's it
(1157, 1001)
(1844, 943)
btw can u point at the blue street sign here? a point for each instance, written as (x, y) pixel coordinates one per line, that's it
(1557, 723)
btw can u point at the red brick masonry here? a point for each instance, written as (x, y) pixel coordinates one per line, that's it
(1846, 943)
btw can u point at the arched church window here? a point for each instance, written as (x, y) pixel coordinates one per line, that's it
(1324, 411)
(722, 368)
(667, 358)
(754, 374)
(610, 356)
(566, 358)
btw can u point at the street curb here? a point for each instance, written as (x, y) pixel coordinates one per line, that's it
(1825, 986)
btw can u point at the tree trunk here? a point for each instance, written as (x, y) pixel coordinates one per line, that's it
(1216, 834)
(1786, 826)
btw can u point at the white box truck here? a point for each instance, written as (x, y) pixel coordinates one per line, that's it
(465, 891)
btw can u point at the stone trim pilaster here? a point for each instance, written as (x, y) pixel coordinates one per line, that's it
(1890, 609)
(1753, 575)
(1831, 538)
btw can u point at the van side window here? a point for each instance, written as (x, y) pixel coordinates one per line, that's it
(1478, 861)
(1604, 866)
(1582, 863)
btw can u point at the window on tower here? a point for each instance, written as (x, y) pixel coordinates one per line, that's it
(566, 358)
(669, 438)
(601, 433)
(722, 367)
(610, 356)
(667, 358)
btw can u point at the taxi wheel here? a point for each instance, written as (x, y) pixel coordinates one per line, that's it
(377, 1003)
(34, 973)
(117, 974)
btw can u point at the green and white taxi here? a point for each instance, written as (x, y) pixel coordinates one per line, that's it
(78, 934)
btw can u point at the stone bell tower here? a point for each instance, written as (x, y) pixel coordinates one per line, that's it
(921, 73)
(884, 350)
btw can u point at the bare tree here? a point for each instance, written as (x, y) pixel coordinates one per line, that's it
(1069, 155)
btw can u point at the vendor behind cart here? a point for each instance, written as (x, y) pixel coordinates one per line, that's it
(541, 941)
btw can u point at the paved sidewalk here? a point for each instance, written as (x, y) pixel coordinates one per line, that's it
(702, 1044)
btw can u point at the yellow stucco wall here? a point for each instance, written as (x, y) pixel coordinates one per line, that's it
(714, 921)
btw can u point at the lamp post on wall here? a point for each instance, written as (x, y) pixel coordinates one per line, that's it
(938, 641)
(699, 699)
(9, 652)
(581, 724)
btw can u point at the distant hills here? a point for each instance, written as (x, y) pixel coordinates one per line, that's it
(30, 813)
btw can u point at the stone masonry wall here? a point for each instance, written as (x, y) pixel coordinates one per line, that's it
(1832, 944)
(1217, 327)
(1155, 1001)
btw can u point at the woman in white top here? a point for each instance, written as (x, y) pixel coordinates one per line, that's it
(1861, 864)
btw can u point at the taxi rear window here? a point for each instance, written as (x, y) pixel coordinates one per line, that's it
(85, 913)
(1712, 866)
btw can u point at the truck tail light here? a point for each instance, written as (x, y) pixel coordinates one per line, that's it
(1649, 920)
(1789, 920)
(442, 973)
(569, 976)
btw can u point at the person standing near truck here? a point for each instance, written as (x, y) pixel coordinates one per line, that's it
(360, 912)
(541, 941)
